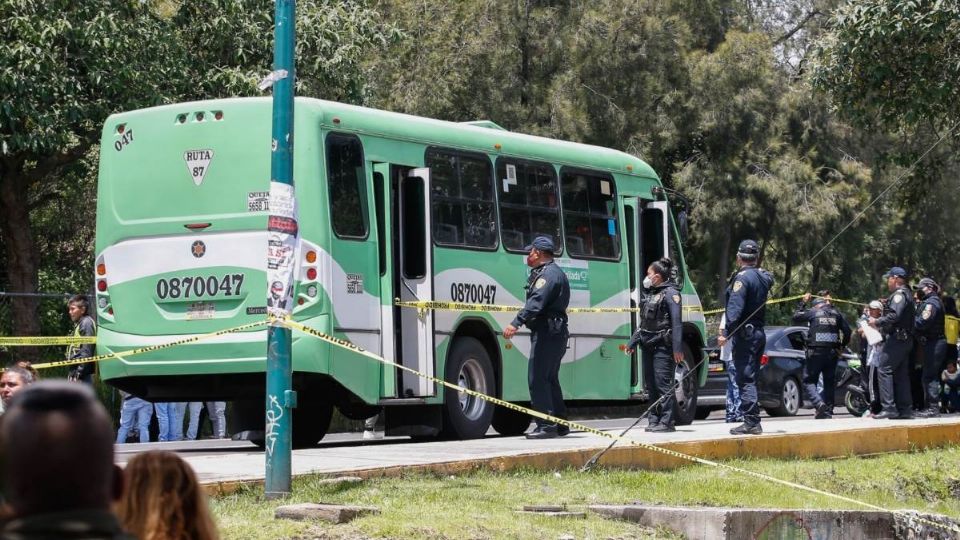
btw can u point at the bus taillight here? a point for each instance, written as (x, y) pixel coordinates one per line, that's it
(311, 257)
(101, 269)
(102, 285)
(311, 274)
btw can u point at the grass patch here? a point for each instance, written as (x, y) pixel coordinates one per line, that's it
(482, 504)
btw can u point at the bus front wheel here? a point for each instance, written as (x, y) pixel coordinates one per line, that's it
(467, 416)
(509, 422)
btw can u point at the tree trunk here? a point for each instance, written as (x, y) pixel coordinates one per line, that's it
(788, 268)
(723, 266)
(22, 259)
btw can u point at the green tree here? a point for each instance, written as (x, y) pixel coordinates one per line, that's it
(893, 62)
(65, 66)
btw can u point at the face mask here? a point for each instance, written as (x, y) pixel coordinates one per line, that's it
(647, 282)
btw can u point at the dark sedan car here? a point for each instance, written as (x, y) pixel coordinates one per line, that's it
(779, 380)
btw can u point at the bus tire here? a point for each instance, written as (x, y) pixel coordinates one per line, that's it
(311, 419)
(685, 408)
(509, 422)
(468, 365)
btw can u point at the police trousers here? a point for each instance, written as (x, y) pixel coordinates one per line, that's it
(543, 373)
(934, 356)
(820, 361)
(894, 376)
(748, 346)
(659, 373)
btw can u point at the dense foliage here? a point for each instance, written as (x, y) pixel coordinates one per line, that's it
(780, 120)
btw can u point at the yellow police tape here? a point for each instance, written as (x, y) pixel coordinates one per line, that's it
(573, 425)
(44, 340)
(150, 348)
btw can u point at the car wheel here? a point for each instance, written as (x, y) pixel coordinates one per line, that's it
(790, 399)
(466, 416)
(686, 393)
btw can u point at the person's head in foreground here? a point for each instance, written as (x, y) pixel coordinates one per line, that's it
(163, 500)
(56, 453)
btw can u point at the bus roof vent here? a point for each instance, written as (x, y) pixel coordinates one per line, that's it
(484, 123)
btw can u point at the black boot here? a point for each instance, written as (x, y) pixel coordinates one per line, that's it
(548, 431)
(747, 429)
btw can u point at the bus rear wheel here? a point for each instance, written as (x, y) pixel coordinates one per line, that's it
(311, 419)
(467, 416)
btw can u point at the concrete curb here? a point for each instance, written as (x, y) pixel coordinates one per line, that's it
(825, 444)
(740, 523)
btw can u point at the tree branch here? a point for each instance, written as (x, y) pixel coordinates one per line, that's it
(797, 28)
(50, 164)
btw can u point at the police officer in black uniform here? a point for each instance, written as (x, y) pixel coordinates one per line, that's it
(931, 336)
(896, 324)
(745, 314)
(661, 337)
(545, 314)
(827, 334)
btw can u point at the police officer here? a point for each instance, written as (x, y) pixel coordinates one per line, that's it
(896, 324)
(930, 332)
(745, 319)
(548, 294)
(827, 333)
(660, 336)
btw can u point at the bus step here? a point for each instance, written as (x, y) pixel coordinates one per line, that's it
(403, 401)
(640, 396)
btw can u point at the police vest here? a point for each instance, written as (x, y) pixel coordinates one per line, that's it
(655, 317)
(824, 328)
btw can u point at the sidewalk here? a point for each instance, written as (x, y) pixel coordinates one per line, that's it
(222, 465)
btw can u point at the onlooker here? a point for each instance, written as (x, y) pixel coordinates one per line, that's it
(79, 309)
(951, 388)
(216, 410)
(25, 364)
(164, 416)
(13, 380)
(57, 468)
(134, 410)
(871, 358)
(733, 393)
(163, 500)
(177, 412)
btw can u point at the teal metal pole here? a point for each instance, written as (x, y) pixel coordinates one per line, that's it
(281, 399)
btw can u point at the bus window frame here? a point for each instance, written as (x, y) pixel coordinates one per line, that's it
(495, 201)
(363, 196)
(556, 179)
(616, 205)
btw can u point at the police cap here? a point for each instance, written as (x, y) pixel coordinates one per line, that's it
(928, 282)
(542, 243)
(749, 248)
(896, 271)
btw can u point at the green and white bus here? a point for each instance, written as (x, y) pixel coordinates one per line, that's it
(390, 206)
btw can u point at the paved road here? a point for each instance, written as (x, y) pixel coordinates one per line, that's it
(211, 448)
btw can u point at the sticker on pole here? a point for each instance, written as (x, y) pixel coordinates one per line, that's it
(198, 163)
(282, 231)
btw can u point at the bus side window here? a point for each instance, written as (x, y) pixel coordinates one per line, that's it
(413, 233)
(347, 183)
(590, 214)
(529, 203)
(462, 199)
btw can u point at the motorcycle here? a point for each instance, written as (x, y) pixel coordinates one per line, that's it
(857, 395)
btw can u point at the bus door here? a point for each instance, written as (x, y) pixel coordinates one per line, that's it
(645, 223)
(384, 193)
(413, 265)
(408, 275)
